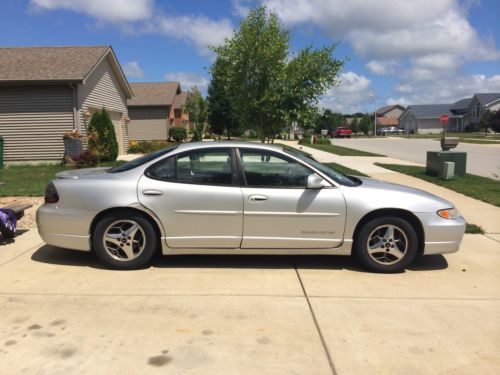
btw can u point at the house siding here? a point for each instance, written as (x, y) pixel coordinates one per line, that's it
(33, 120)
(396, 112)
(102, 89)
(148, 123)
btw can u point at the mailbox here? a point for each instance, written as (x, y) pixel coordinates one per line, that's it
(447, 143)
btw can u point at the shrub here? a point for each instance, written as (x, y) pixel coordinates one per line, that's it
(145, 147)
(323, 141)
(102, 137)
(86, 159)
(178, 134)
(196, 135)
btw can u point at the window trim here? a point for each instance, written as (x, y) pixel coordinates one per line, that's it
(235, 181)
(243, 179)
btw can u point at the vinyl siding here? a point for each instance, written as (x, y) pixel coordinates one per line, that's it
(102, 89)
(148, 123)
(33, 120)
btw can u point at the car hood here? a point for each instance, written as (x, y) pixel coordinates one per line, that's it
(387, 194)
(78, 173)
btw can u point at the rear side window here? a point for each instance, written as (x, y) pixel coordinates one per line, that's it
(207, 167)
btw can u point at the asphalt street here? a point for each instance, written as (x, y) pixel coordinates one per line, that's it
(482, 160)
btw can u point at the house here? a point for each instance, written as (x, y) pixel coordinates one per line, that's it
(461, 110)
(152, 110)
(388, 116)
(46, 92)
(481, 103)
(425, 118)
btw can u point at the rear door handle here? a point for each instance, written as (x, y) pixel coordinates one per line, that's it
(257, 198)
(152, 192)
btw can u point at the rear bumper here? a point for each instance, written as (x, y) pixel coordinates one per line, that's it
(64, 227)
(442, 236)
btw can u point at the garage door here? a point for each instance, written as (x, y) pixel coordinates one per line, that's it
(33, 120)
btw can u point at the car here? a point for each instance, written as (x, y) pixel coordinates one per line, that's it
(242, 198)
(342, 132)
(389, 131)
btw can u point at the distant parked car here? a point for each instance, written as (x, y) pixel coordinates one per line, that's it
(392, 130)
(242, 198)
(342, 132)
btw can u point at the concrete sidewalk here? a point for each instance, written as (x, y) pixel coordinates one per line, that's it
(475, 211)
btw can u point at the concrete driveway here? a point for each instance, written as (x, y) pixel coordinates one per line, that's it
(62, 313)
(483, 160)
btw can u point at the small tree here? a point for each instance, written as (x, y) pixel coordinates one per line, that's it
(365, 124)
(196, 107)
(354, 125)
(177, 133)
(490, 119)
(102, 137)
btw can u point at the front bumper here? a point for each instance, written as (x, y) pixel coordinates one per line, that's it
(442, 236)
(64, 227)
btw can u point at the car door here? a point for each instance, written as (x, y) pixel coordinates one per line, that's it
(279, 211)
(197, 197)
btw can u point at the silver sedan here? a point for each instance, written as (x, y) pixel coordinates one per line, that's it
(242, 198)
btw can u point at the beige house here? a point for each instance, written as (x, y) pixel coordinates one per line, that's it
(152, 110)
(48, 91)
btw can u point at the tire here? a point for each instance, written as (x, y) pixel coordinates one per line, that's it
(131, 240)
(395, 253)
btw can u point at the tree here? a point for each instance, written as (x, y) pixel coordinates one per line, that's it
(196, 108)
(266, 87)
(102, 137)
(178, 133)
(354, 126)
(365, 124)
(329, 120)
(490, 119)
(220, 113)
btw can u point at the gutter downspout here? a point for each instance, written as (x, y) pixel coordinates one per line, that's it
(76, 122)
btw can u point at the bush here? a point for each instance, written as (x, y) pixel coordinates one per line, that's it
(86, 159)
(196, 135)
(146, 147)
(102, 137)
(178, 134)
(323, 141)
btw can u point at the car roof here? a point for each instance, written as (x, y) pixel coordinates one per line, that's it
(219, 144)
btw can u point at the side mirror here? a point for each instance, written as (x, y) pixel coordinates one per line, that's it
(315, 182)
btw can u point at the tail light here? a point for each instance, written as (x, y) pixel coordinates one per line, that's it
(51, 195)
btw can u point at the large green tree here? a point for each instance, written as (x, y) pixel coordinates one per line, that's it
(266, 86)
(196, 108)
(329, 120)
(221, 116)
(365, 124)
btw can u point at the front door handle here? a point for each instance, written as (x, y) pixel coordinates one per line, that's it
(152, 192)
(257, 198)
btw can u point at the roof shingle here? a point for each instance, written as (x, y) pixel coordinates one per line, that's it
(153, 93)
(49, 63)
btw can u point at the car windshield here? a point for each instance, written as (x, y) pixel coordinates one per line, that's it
(329, 171)
(140, 161)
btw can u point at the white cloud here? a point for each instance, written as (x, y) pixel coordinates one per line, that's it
(188, 80)
(350, 96)
(104, 10)
(241, 8)
(132, 69)
(382, 67)
(201, 31)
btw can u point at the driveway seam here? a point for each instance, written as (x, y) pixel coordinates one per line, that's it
(491, 238)
(323, 341)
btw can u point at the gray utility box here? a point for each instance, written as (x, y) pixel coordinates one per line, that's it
(436, 160)
(448, 170)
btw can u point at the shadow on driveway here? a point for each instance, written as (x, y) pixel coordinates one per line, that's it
(64, 257)
(8, 241)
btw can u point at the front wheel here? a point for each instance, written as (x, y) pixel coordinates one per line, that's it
(386, 244)
(124, 240)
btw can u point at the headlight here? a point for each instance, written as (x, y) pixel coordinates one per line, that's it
(449, 213)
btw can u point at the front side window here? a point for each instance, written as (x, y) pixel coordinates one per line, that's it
(207, 167)
(266, 169)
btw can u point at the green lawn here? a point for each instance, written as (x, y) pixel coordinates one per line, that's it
(346, 170)
(339, 150)
(477, 138)
(30, 180)
(482, 188)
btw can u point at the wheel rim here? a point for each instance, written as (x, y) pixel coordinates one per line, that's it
(124, 240)
(387, 244)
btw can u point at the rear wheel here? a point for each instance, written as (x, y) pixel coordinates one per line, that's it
(124, 240)
(386, 244)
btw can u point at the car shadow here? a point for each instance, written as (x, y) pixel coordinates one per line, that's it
(64, 257)
(7, 241)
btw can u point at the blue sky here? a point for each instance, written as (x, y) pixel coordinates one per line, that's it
(400, 51)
